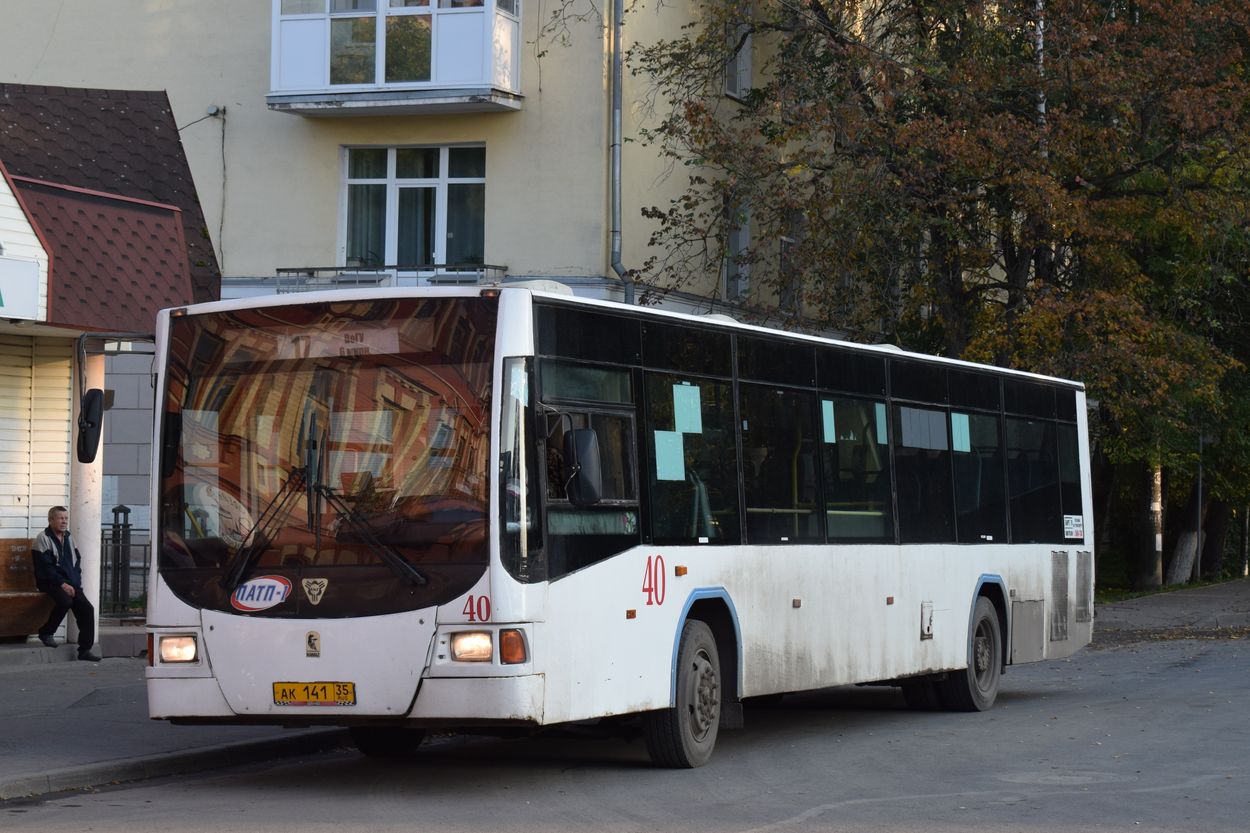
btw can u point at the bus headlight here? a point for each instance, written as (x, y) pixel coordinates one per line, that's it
(178, 649)
(472, 646)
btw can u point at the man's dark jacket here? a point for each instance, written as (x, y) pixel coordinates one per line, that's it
(57, 562)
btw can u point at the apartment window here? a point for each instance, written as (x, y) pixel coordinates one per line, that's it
(415, 206)
(737, 243)
(384, 41)
(738, 64)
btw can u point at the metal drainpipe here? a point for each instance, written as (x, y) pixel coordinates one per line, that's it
(618, 24)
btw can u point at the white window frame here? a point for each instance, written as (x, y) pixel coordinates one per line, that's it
(381, 11)
(738, 66)
(393, 184)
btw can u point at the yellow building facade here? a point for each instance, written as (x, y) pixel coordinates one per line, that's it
(387, 141)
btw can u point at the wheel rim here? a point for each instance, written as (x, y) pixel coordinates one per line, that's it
(703, 704)
(983, 655)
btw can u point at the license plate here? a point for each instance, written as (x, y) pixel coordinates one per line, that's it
(314, 694)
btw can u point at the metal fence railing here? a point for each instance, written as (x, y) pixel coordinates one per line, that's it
(125, 553)
(311, 278)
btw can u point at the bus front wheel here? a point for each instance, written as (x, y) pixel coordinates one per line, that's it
(685, 735)
(975, 688)
(386, 741)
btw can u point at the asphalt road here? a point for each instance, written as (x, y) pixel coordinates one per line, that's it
(1151, 736)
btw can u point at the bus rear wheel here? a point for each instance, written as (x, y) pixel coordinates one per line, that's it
(386, 741)
(976, 688)
(685, 735)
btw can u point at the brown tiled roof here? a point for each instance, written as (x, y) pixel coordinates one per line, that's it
(121, 142)
(115, 261)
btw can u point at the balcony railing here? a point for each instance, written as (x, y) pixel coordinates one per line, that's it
(315, 278)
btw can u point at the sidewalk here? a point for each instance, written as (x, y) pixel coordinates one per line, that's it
(1218, 610)
(102, 707)
(68, 725)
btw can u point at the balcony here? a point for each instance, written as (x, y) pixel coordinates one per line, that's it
(395, 57)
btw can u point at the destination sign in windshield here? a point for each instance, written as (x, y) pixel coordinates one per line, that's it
(354, 341)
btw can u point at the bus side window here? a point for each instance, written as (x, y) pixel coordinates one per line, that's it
(581, 535)
(980, 493)
(1071, 497)
(856, 454)
(1033, 481)
(779, 465)
(692, 471)
(922, 465)
(521, 546)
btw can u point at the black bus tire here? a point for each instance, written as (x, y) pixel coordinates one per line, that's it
(975, 688)
(685, 735)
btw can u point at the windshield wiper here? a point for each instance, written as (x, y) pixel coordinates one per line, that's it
(402, 566)
(315, 455)
(277, 509)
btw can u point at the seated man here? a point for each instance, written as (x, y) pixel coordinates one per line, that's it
(58, 572)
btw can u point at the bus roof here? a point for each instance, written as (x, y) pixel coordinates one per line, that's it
(716, 321)
(728, 322)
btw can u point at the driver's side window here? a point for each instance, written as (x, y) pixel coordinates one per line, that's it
(600, 398)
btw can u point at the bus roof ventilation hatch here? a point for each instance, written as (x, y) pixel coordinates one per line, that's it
(543, 285)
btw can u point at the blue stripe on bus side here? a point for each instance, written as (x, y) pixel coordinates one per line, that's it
(993, 578)
(699, 594)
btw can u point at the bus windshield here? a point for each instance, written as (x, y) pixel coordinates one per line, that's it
(335, 451)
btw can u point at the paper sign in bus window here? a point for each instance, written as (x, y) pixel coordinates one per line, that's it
(826, 414)
(670, 458)
(518, 386)
(687, 415)
(881, 438)
(960, 437)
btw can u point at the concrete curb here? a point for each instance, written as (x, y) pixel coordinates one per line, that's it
(172, 763)
(25, 655)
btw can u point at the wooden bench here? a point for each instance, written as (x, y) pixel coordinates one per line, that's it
(22, 607)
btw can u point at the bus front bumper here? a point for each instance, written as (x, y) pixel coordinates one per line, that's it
(446, 701)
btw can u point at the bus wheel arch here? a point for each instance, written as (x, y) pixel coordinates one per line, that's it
(993, 590)
(717, 614)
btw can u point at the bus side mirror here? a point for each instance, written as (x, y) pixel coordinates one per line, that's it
(90, 424)
(583, 470)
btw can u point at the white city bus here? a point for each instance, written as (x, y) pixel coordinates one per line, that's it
(397, 510)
